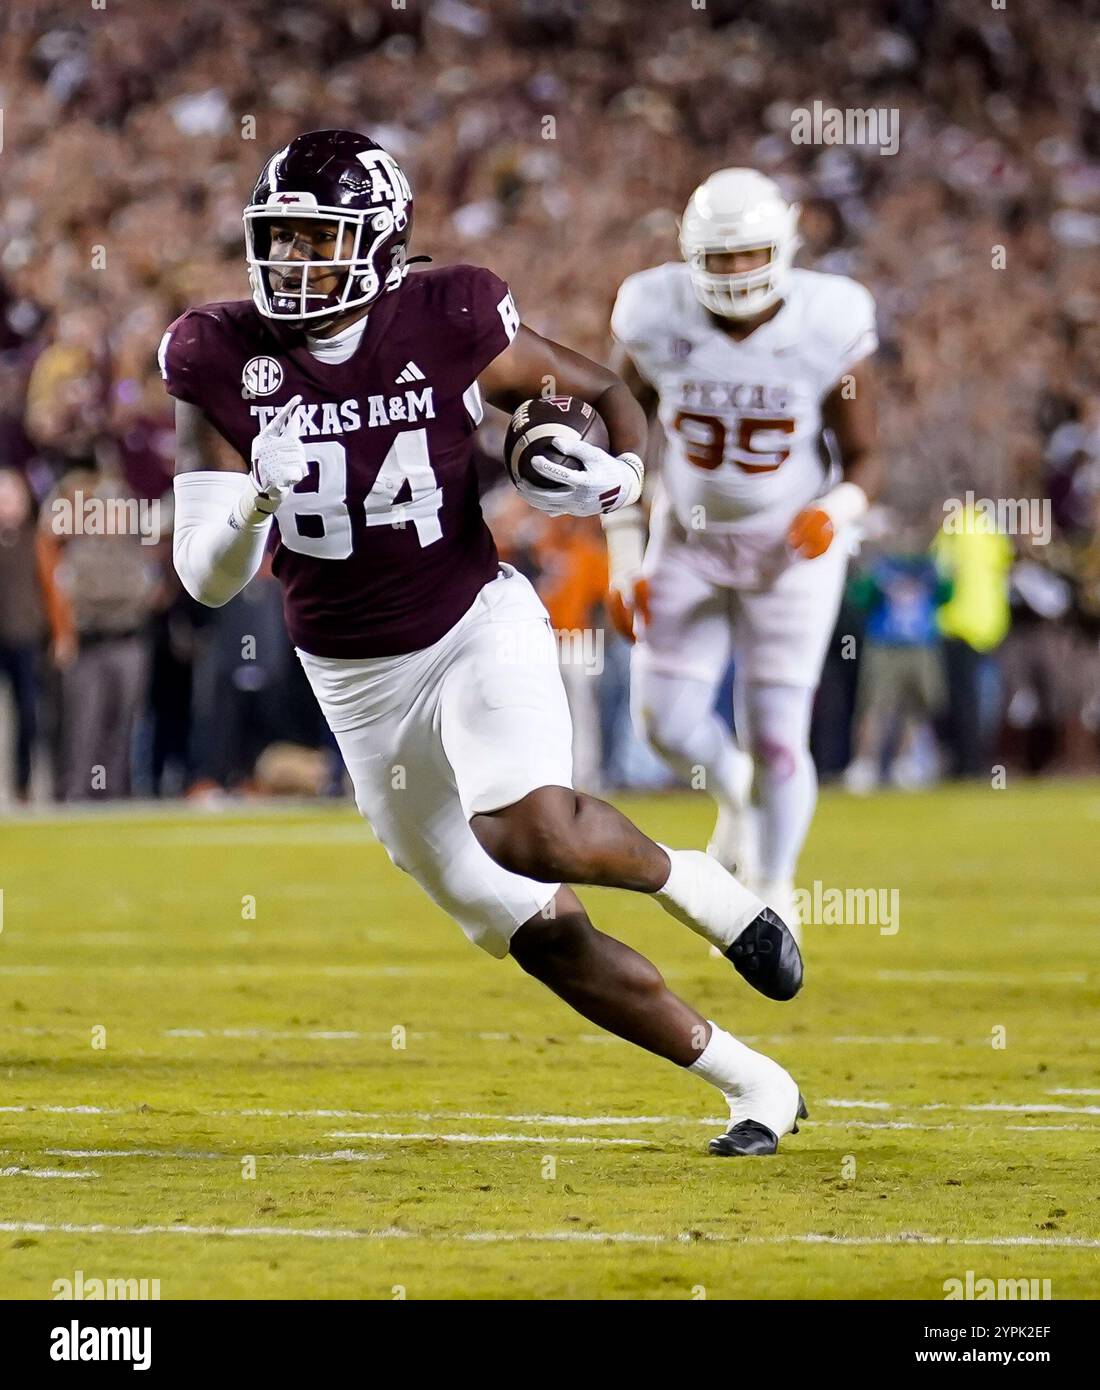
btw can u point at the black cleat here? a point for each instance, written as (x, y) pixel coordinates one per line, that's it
(750, 1139)
(767, 955)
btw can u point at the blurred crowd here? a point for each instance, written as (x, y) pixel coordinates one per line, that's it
(557, 141)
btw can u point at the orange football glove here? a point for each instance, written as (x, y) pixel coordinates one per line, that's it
(811, 533)
(625, 615)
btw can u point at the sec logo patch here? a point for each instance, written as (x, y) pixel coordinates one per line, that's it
(261, 376)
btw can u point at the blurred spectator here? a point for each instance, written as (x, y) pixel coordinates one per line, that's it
(1038, 663)
(901, 685)
(108, 587)
(66, 391)
(833, 723)
(249, 690)
(973, 622)
(30, 610)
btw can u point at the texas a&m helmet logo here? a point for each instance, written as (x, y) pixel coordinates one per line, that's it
(262, 376)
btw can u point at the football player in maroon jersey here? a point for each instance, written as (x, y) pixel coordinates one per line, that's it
(349, 391)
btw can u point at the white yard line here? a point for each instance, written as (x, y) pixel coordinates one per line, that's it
(897, 1040)
(256, 971)
(385, 1136)
(877, 1124)
(997, 1107)
(1046, 1129)
(384, 1035)
(569, 1120)
(133, 1153)
(917, 1124)
(568, 1237)
(858, 1104)
(318, 1035)
(988, 1107)
(58, 1110)
(978, 977)
(338, 1035)
(337, 1155)
(563, 1121)
(558, 1121)
(17, 1172)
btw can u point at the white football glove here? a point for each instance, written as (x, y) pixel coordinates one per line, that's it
(605, 484)
(278, 458)
(550, 503)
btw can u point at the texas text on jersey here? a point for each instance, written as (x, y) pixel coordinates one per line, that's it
(383, 547)
(743, 419)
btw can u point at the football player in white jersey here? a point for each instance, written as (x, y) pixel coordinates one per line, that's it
(761, 379)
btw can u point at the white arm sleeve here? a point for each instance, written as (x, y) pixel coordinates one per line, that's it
(625, 534)
(220, 534)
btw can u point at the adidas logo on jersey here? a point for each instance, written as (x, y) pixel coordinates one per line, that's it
(409, 372)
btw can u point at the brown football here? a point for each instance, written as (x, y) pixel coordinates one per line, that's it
(536, 423)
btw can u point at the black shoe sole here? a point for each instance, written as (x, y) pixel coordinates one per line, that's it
(767, 957)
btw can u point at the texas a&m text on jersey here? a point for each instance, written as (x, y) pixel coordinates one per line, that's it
(353, 388)
(390, 506)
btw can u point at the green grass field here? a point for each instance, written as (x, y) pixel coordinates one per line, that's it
(508, 1150)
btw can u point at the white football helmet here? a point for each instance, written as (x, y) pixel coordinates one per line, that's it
(739, 210)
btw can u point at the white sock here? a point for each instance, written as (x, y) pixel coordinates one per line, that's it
(755, 1087)
(780, 897)
(706, 897)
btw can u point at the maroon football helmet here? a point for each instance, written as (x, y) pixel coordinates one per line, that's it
(331, 176)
